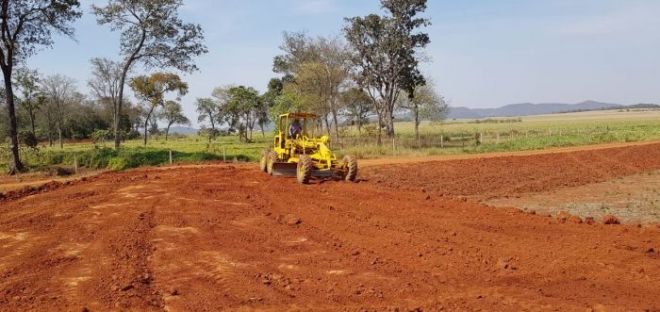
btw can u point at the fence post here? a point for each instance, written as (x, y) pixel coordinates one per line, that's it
(170, 157)
(75, 163)
(393, 146)
(442, 143)
(224, 153)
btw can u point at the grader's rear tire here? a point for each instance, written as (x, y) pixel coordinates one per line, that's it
(271, 158)
(304, 170)
(351, 168)
(263, 162)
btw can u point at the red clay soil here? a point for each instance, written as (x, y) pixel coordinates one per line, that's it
(511, 175)
(229, 237)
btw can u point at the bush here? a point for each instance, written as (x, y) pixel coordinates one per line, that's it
(28, 139)
(100, 136)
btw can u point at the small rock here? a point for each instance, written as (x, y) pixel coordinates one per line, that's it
(355, 253)
(127, 287)
(174, 291)
(291, 220)
(575, 219)
(428, 197)
(610, 219)
(589, 220)
(505, 264)
(562, 216)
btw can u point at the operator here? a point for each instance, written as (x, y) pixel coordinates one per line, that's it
(295, 129)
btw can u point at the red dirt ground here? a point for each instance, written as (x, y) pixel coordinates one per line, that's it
(487, 177)
(227, 237)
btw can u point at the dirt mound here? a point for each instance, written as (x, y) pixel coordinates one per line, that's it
(507, 176)
(610, 219)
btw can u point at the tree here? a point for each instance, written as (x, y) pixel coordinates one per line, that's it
(208, 109)
(274, 90)
(244, 102)
(424, 104)
(104, 84)
(319, 67)
(151, 91)
(358, 106)
(25, 26)
(173, 114)
(151, 34)
(386, 57)
(59, 91)
(31, 101)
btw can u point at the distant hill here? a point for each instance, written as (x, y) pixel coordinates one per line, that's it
(526, 109)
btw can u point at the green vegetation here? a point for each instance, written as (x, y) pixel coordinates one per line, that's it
(458, 137)
(185, 149)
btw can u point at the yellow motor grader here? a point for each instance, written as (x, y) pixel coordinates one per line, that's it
(299, 151)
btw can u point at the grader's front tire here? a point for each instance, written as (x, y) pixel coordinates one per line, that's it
(263, 162)
(271, 158)
(351, 168)
(304, 169)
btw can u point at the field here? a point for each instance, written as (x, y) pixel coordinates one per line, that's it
(414, 234)
(448, 138)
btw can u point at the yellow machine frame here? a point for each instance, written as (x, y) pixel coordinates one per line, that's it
(295, 156)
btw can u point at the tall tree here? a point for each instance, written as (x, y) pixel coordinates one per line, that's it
(318, 69)
(386, 53)
(151, 34)
(104, 84)
(244, 102)
(60, 91)
(151, 90)
(208, 109)
(424, 104)
(25, 26)
(173, 114)
(31, 101)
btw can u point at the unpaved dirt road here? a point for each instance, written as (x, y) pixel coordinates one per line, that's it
(227, 237)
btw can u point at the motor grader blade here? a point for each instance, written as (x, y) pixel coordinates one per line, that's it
(285, 169)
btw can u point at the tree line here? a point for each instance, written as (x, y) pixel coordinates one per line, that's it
(371, 73)
(152, 35)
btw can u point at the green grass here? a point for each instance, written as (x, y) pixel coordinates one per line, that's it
(458, 137)
(188, 149)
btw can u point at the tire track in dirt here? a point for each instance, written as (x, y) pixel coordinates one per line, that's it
(229, 237)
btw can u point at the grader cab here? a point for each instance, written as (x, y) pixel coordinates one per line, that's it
(299, 149)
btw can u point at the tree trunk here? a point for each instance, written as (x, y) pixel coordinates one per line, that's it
(416, 112)
(380, 129)
(334, 119)
(32, 121)
(389, 126)
(167, 130)
(122, 83)
(59, 135)
(327, 125)
(146, 129)
(119, 104)
(17, 165)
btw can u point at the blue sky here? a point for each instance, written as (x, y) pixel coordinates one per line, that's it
(484, 53)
